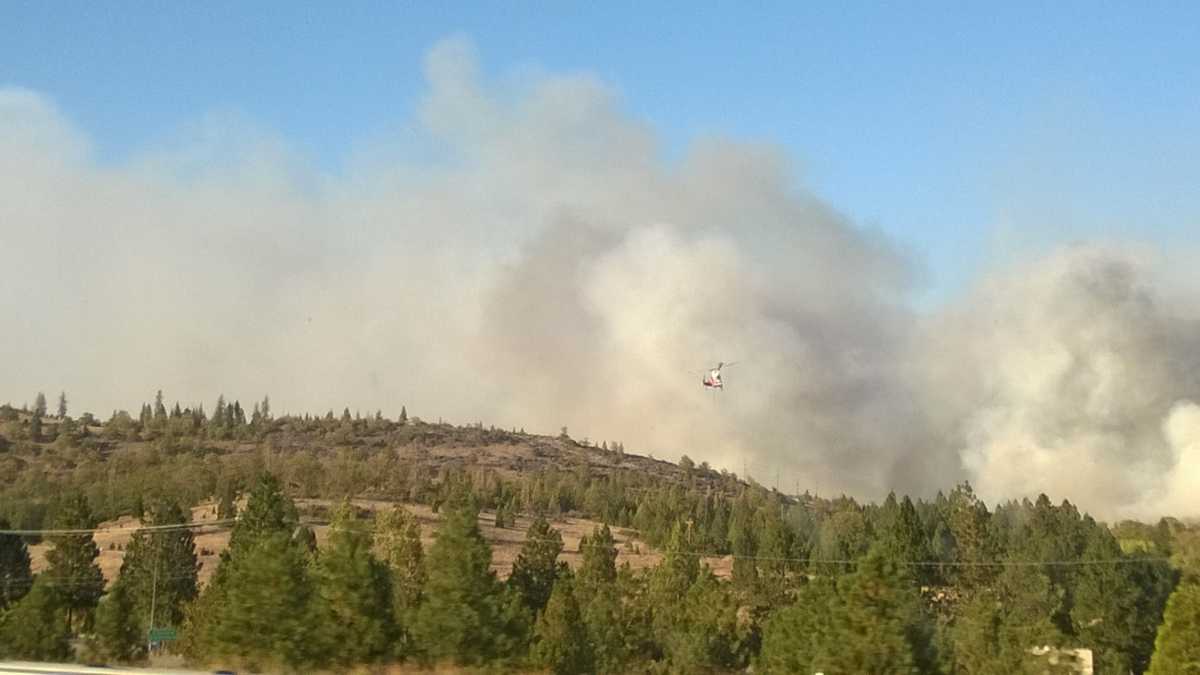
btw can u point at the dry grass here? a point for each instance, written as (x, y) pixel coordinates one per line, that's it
(506, 543)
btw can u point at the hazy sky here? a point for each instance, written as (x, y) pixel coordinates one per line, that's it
(947, 124)
(944, 244)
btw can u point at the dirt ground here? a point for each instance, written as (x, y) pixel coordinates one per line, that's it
(210, 541)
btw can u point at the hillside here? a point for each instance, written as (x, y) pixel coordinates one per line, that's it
(419, 447)
(113, 536)
(122, 464)
(704, 557)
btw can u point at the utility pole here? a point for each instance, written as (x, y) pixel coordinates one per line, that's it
(153, 602)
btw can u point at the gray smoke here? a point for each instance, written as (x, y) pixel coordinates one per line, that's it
(524, 256)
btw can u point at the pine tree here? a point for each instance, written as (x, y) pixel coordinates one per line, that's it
(562, 643)
(118, 636)
(596, 591)
(36, 628)
(398, 537)
(15, 575)
(159, 571)
(537, 566)
(598, 559)
(467, 616)
(71, 562)
(1155, 580)
(774, 553)
(1177, 649)
(1104, 610)
(745, 569)
(403, 415)
(160, 409)
(39, 405)
(261, 608)
(904, 539)
(995, 628)
(218, 417)
(355, 593)
(968, 520)
(268, 511)
(62, 405)
(35, 428)
(794, 636)
(503, 519)
(878, 626)
(227, 503)
(679, 567)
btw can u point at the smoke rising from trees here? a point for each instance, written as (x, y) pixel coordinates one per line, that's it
(522, 253)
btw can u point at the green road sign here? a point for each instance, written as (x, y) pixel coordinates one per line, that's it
(162, 634)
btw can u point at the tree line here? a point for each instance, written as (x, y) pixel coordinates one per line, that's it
(946, 585)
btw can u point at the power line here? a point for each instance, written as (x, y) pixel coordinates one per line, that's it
(139, 528)
(692, 553)
(821, 561)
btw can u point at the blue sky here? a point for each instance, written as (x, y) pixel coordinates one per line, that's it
(960, 130)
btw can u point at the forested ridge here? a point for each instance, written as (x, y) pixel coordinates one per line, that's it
(942, 585)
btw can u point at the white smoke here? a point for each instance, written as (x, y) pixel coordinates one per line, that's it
(525, 257)
(1070, 376)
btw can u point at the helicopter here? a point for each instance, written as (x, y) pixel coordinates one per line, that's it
(712, 380)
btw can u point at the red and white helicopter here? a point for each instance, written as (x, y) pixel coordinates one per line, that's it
(712, 380)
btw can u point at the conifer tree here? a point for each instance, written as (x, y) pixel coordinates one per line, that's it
(679, 567)
(268, 511)
(160, 408)
(355, 593)
(16, 576)
(159, 571)
(1104, 610)
(1177, 649)
(774, 553)
(794, 636)
(35, 428)
(398, 538)
(878, 626)
(264, 607)
(745, 568)
(537, 566)
(503, 519)
(598, 565)
(968, 519)
(72, 567)
(596, 592)
(403, 415)
(996, 628)
(218, 416)
(36, 628)
(261, 609)
(467, 616)
(39, 405)
(226, 503)
(118, 635)
(562, 643)
(62, 405)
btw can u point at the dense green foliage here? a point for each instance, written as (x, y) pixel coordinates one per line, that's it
(36, 627)
(15, 573)
(946, 585)
(1177, 650)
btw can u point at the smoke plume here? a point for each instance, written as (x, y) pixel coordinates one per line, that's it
(525, 256)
